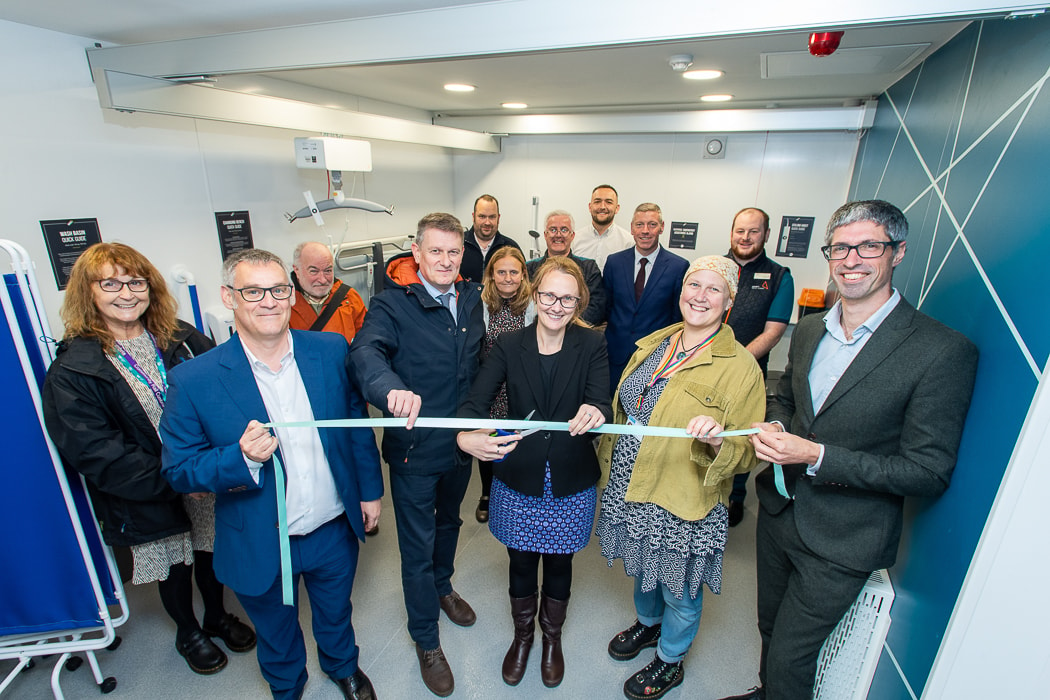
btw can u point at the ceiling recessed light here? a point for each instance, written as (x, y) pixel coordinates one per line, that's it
(514, 105)
(459, 87)
(715, 98)
(702, 74)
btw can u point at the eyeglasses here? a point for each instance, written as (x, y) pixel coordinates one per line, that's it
(567, 301)
(554, 230)
(279, 292)
(136, 285)
(868, 249)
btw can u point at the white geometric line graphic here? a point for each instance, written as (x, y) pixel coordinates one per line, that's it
(1037, 85)
(961, 236)
(955, 147)
(1006, 146)
(896, 138)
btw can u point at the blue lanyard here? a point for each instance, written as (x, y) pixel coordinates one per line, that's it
(159, 392)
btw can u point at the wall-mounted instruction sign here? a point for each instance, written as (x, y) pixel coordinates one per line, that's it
(795, 232)
(683, 234)
(66, 239)
(235, 232)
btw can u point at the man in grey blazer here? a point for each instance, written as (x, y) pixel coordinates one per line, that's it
(870, 409)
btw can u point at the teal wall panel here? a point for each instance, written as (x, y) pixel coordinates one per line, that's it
(972, 121)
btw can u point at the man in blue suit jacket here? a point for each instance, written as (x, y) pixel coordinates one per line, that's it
(642, 296)
(214, 441)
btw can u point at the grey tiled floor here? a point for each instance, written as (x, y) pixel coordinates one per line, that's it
(723, 659)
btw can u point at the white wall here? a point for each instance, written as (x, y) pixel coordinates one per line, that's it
(155, 182)
(794, 174)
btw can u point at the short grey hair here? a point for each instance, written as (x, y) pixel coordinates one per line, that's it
(560, 212)
(876, 211)
(252, 256)
(442, 222)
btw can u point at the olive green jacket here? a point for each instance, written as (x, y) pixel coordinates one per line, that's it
(681, 475)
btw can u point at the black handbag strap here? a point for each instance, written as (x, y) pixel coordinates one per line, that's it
(333, 303)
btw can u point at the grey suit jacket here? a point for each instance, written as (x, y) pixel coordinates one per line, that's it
(890, 428)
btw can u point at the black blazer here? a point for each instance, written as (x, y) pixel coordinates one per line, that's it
(581, 375)
(890, 428)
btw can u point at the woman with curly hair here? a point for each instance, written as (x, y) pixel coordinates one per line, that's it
(103, 398)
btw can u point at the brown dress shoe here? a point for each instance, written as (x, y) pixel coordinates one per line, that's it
(523, 611)
(433, 667)
(457, 609)
(552, 663)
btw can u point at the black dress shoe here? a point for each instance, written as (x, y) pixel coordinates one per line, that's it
(736, 513)
(356, 687)
(756, 693)
(627, 644)
(237, 635)
(654, 680)
(457, 609)
(201, 654)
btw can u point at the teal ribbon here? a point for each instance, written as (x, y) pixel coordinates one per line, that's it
(454, 424)
(778, 481)
(491, 424)
(282, 533)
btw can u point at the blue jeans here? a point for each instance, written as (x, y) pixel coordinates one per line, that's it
(680, 618)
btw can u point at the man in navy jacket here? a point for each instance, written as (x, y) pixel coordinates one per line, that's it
(417, 354)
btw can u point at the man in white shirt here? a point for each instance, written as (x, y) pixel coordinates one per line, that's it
(214, 440)
(603, 237)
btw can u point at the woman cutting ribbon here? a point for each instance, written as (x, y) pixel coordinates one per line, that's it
(102, 401)
(663, 510)
(543, 493)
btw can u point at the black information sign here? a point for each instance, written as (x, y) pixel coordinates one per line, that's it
(683, 234)
(235, 232)
(66, 239)
(793, 240)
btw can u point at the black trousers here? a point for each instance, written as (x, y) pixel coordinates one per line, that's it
(801, 598)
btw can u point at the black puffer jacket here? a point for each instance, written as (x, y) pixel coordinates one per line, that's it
(102, 432)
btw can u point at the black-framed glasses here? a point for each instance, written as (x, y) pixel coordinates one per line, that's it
(868, 249)
(279, 292)
(567, 301)
(114, 285)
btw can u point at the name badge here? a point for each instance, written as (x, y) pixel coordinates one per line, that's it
(762, 275)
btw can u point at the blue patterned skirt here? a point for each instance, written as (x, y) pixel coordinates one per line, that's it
(543, 524)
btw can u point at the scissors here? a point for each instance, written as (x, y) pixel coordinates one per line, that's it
(523, 433)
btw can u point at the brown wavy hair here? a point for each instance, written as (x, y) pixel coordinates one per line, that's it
(490, 295)
(565, 265)
(79, 312)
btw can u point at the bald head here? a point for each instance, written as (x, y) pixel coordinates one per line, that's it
(313, 265)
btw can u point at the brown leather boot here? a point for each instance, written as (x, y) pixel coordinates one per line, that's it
(552, 663)
(523, 611)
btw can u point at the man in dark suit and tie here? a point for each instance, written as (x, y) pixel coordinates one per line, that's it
(869, 410)
(214, 441)
(642, 286)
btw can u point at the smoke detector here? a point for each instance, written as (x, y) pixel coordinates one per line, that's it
(681, 62)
